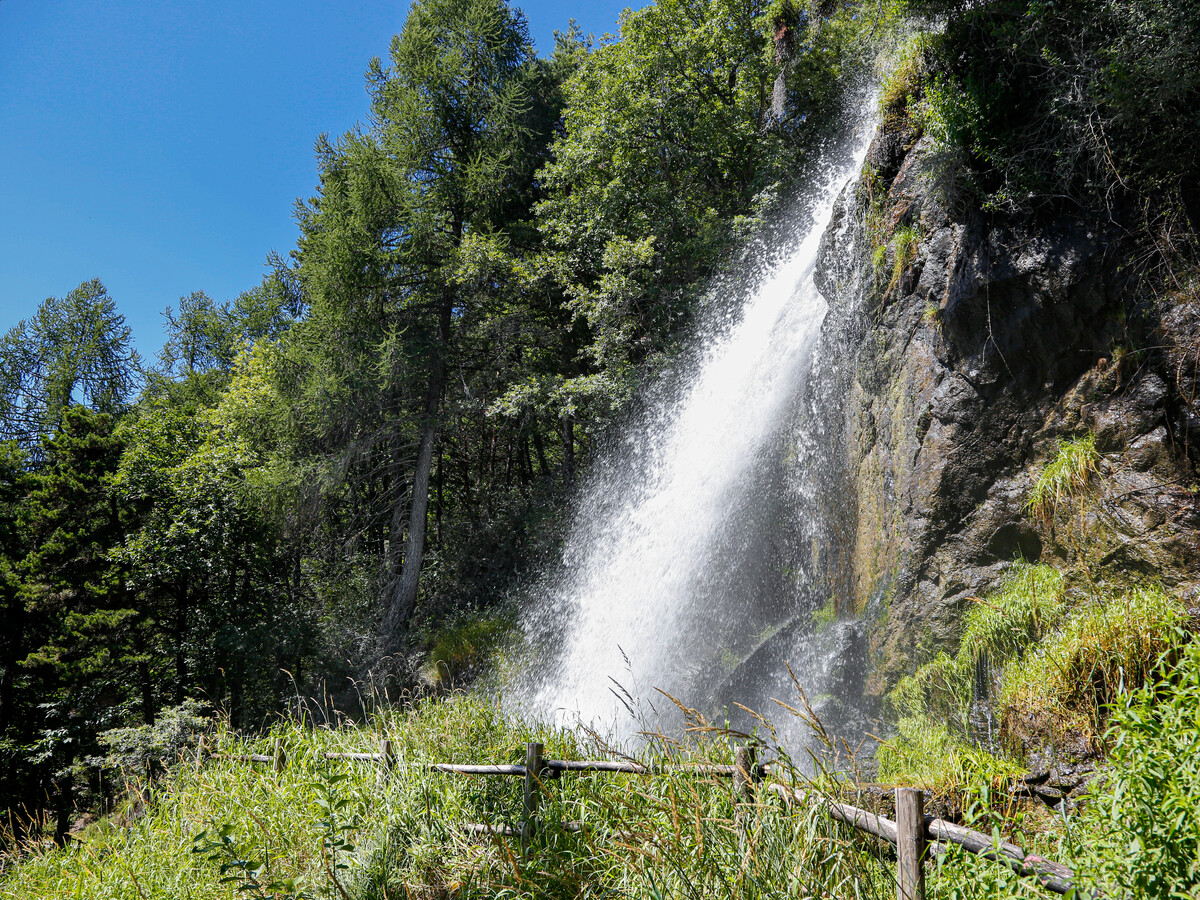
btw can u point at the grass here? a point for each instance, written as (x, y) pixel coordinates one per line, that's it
(996, 629)
(1105, 649)
(929, 755)
(1068, 473)
(321, 828)
(462, 650)
(325, 828)
(1060, 671)
(906, 242)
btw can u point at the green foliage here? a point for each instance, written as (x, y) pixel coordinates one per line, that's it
(410, 256)
(931, 706)
(1085, 103)
(254, 878)
(327, 828)
(462, 651)
(671, 142)
(174, 731)
(997, 629)
(73, 350)
(930, 755)
(1068, 473)
(76, 659)
(901, 97)
(1146, 841)
(1104, 650)
(906, 242)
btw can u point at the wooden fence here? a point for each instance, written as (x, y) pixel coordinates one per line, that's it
(914, 835)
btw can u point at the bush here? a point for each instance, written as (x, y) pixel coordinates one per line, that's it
(175, 731)
(460, 652)
(1075, 675)
(1146, 841)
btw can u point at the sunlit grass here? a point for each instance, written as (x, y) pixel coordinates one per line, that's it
(675, 835)
(1104, 650)
(1073, 465)
(997, 628)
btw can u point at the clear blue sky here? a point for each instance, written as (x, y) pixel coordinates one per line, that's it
(159, 146)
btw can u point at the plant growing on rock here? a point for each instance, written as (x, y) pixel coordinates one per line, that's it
(1071, 680)
(998, 628)
(1064, 476)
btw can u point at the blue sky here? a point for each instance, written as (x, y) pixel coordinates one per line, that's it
(160, 146)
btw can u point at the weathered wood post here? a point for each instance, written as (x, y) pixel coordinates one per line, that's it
(387, 762)
(744, 773)
(533, 772)
(910, 844)
(744, 776)
(279, 758)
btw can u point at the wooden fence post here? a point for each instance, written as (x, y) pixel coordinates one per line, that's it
(533, 772)
(387, 761)
(910, 844)
(279, 760)
(744, 774)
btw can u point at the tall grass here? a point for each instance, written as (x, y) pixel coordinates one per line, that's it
(325, 828)
(996, 629)
(1104, 650)
(1073, 464)
(928, 754)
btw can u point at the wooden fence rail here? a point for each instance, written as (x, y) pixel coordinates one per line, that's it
(915, 835)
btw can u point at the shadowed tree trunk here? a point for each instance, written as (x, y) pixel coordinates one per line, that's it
(404, 599)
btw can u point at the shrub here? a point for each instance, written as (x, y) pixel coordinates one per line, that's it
(175, 731)
(1146, 834)
(901, 96)
(1075, 675)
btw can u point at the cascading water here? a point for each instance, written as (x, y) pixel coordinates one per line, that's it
(681, 572)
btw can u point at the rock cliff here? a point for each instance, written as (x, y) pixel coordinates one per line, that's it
(979, 341)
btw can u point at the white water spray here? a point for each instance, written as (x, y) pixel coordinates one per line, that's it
(670, 576)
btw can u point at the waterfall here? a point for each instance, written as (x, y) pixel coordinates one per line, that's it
(685, 571)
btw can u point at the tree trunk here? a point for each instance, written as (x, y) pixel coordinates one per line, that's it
(540, 449)
(179, 638)
(64, 806)
(404, 599)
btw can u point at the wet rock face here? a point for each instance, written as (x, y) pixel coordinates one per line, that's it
(998, 339)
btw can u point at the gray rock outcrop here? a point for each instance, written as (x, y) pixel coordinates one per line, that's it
(983, 345)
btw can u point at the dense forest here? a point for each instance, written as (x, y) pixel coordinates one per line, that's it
(336, 483)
